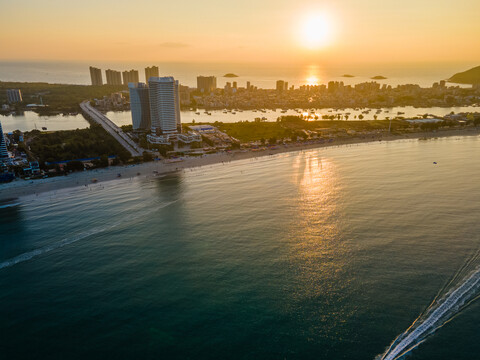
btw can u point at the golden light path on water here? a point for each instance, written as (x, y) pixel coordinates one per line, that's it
(316, 244)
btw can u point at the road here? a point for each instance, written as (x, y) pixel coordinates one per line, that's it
(112, 129)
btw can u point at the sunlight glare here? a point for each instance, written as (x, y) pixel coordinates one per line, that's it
(316, 31)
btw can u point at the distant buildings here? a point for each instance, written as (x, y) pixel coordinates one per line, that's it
(96, 76)
(113, 77)
(151, 72)
(282, 85)
(140, 106)
(206, 84)
(3, 146)
(14, 96)
(184, 92)
(130, 77)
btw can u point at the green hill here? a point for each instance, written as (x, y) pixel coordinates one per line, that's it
(471, 76)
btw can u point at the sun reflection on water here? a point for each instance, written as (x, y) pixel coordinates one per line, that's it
(318, 251)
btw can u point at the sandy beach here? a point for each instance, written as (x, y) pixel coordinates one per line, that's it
(20, 188)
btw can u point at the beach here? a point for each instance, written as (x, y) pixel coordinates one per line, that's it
(20, 188)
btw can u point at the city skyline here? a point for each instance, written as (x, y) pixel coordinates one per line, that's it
(277, 31)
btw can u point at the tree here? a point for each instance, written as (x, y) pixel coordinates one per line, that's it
(74, 165)
(360, 116)
(147, 156)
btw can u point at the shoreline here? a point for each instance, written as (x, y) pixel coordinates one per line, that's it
(21, 188)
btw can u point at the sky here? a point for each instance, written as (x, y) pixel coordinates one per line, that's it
(270, 31)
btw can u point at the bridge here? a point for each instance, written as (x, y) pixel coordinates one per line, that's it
(111, 128)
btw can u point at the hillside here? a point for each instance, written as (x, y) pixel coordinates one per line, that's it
(471, 76)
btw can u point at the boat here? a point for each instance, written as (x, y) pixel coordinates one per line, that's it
(44, 128)
(197, 113)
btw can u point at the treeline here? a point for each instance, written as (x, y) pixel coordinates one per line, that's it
(58, 97)
(74, 144)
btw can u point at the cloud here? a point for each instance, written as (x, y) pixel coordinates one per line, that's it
(174, 45)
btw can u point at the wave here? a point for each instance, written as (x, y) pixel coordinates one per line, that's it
(5, 206)
(70, 240)
(442, 310)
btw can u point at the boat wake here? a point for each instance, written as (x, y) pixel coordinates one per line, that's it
(70, 240)
(464, 289)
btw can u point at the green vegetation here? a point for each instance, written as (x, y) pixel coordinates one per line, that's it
(253, 131)
(58, 97)
(294, 127)
(471, 76)
(74, 144)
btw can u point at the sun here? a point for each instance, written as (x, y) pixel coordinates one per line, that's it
(316, 31)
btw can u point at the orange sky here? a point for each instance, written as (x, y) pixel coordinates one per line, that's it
(239, 31)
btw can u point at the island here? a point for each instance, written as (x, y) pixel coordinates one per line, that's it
(379, 77)
(230, 75)
(348, 76)
(471, 76)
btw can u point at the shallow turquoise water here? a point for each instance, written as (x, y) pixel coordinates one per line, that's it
(326, 254)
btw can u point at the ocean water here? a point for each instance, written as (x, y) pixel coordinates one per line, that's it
(262, 75)
(321, 254)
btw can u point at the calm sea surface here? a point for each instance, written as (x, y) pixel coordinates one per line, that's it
(261, 75)
(29, 120)
(322, 254)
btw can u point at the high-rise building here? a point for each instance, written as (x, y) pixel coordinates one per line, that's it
(3, 146)
(184, 92)
(151, 71)
(248, 85)
(113, 77)
(164, 105)
(140, 105)
(280, 85)
(130, 77)
(96, 76)
(206, 84)
(14, 96)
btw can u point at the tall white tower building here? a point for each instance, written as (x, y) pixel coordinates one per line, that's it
(164, 105)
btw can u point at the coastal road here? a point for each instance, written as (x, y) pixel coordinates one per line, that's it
(112, 129)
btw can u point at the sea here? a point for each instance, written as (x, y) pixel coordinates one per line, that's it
(262, 75)
(329, 253)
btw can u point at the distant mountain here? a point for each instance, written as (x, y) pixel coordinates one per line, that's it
(348, 76)
(379, 77)
(230, 75)
(471, 76)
